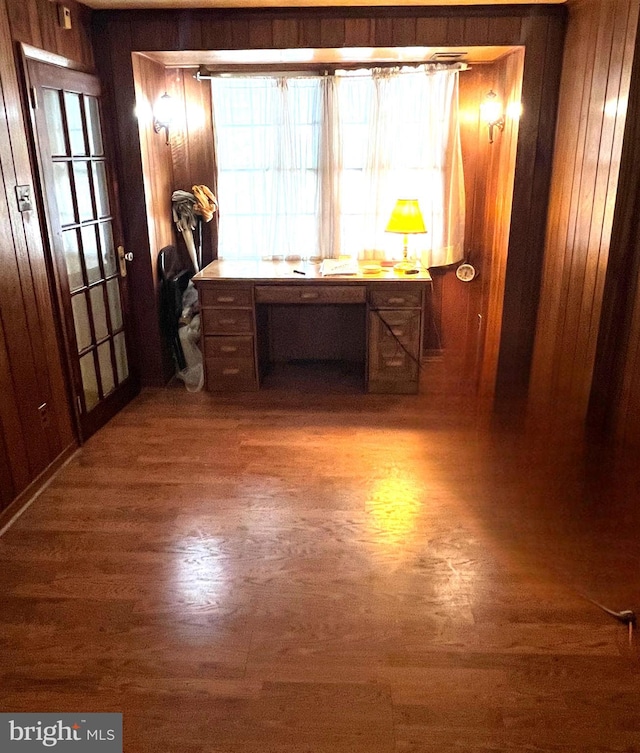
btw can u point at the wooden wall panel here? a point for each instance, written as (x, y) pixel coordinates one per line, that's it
(30, 364)
(192, 146)
(498, 232)
(157, 171)
(35, 22)
(533, 173)
(469, 315)
(596, 76)
(614, 406)
(539, 28)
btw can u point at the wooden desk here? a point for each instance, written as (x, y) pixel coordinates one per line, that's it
(234, 302)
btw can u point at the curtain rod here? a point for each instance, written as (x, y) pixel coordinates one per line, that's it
(316, 71)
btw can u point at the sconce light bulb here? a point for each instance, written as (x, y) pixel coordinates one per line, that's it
(491, 113)
(163, 115)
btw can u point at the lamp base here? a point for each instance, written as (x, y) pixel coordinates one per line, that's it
(405, 267)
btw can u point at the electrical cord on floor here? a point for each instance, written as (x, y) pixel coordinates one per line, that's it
(626, 616)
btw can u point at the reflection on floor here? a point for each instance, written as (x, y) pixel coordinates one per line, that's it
(296, 573)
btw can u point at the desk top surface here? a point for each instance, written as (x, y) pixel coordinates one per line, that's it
(283, 271)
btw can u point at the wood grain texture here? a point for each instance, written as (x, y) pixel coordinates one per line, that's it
(157, 169)
(591, 124)
(192, 145)
(115, 63)
(314, 573)
(614, 404)
(469, 315)
(500, 216)
(35, 22)
(533, 173)
(30, 361)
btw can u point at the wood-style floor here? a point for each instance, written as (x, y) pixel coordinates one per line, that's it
(327, 574)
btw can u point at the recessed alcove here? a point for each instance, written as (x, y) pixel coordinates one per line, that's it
(463, 321)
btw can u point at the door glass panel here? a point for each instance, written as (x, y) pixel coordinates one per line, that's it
(121, 357)
(115, 309)
(102, 193)
(106, 369)
(108, 251)
(89, 381)
(64, 196)
(98, 312)
(74, 123)
(93, 126)
(81, 321)
(83, 192)
(55, 128)
(72, 259)
(90, 249)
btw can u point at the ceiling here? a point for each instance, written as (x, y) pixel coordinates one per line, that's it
(147, 4)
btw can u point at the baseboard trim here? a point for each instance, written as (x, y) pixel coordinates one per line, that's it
(29, 495)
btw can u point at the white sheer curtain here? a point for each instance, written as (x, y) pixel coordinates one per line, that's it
(267, 149)
(411, 136)
(312, 166)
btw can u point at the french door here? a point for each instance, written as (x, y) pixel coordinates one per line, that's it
(85, 240)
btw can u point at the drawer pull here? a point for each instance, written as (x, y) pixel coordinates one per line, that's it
(228, 321)
(397, 301)
(230, 371)
(225, 299)
(397, 332)
(394, 362)
(308, 295)
(228, 349)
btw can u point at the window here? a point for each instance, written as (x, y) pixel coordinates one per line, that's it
(311, 166)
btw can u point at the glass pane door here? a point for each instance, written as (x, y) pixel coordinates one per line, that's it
(75, 173)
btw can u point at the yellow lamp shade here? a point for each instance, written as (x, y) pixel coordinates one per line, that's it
(406, 218)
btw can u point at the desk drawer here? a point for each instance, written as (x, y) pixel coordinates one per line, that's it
(227, 321)
(396, 297)
(226, 296)
(228, 347)
(391, 330)
(230, 374)
(322, 293)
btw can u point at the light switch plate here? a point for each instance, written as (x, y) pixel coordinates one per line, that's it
(23, 195)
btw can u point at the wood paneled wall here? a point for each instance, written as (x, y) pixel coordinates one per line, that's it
(614, 405)
(469, 315)
(35, 423)
(35, 22)
(157, 167)
(192, 146)
(157, 171)
(540, 29)
(596, 75)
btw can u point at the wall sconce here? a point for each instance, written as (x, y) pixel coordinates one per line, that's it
(491, 113)
(163, 115)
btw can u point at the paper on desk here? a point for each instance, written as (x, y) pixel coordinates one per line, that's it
(338, 267)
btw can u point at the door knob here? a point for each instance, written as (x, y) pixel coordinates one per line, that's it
(123, 258)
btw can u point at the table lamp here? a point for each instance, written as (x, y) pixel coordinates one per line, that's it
(406, 218)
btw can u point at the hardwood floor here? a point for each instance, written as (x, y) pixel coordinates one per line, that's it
(327, 573)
